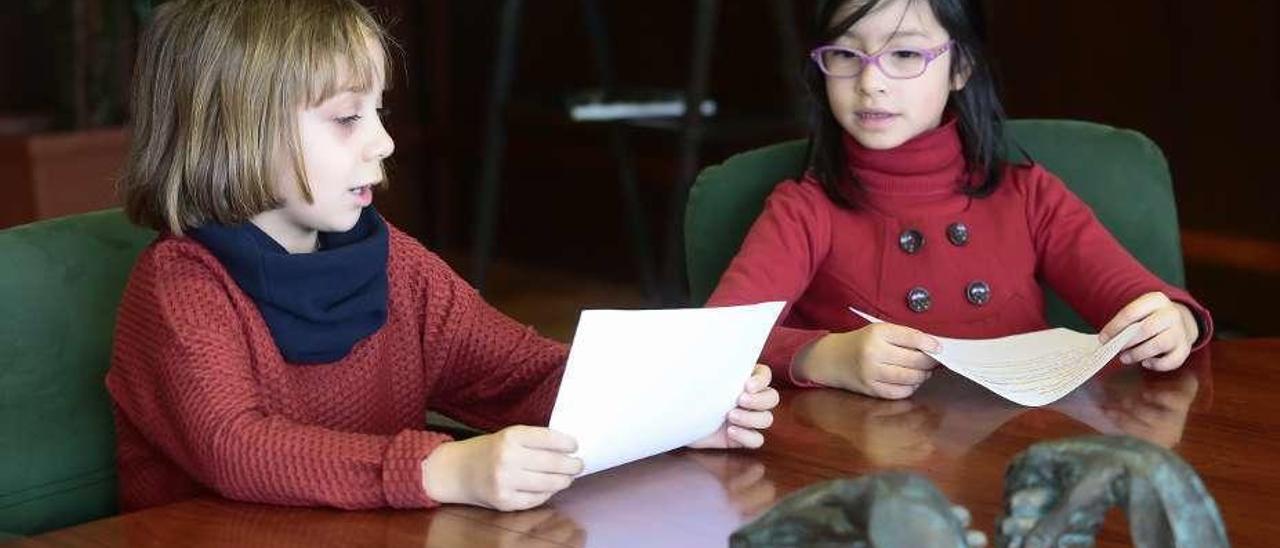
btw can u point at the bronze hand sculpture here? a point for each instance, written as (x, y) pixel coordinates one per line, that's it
(871, 510)
(1056, 495)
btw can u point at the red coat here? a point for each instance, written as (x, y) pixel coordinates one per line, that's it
(204, 402)
(822, 259)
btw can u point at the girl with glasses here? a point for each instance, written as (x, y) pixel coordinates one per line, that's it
(907, 212)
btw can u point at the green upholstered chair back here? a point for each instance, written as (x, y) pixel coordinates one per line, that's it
(1120, 173)
(60, 283)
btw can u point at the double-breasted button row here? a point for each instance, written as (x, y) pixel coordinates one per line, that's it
(978, 293)
(910, 241)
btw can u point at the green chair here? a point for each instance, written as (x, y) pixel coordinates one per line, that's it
(60, 284)
(1120, 173)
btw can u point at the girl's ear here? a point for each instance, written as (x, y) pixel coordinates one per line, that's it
(961, 76)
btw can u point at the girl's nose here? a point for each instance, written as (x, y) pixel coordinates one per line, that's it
(872, 80)
(382, 145)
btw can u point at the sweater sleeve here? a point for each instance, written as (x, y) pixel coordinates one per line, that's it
(776, 262)
(497, 372)
(1084, 263)
(181, 375)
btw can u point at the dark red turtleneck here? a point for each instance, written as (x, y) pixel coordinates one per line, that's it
(822, 259)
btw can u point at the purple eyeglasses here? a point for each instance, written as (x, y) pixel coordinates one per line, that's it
(896, 63)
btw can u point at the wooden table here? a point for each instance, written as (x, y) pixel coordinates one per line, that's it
(1216, 412)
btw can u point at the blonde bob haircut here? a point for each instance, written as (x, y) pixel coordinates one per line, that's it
(217, 89)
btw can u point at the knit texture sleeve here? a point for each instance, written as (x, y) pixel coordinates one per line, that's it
(496, 372)
(1084, 263)
(776, 262)
(181, 375)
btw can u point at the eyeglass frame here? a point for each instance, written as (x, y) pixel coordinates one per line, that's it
(930, 55)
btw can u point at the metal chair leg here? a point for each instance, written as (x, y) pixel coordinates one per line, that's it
(439, 124)
(619, 144)
(494, 142)
(675, 290)
(790, 56)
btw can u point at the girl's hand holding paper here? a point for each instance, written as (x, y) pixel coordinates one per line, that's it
(741, 428)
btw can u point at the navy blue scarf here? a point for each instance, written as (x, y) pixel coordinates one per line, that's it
(317, 305)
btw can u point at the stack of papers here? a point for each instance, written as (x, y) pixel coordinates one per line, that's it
(1031, 369)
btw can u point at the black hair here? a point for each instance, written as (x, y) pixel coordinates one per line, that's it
(977, 107)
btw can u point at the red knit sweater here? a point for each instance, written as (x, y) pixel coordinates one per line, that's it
(821, 259)
(204, 402)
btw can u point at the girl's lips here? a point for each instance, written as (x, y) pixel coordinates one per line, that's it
(874, 114)
(875, 119)
(363, 194)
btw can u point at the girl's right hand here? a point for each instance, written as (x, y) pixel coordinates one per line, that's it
(882, 360)
(515, 468)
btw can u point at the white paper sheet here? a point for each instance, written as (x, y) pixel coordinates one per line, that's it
(1031, 369)
(643, 382)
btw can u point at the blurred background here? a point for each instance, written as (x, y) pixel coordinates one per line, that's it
(484, 91)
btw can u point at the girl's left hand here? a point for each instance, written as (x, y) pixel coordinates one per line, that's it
(743, 425)
(1166, 334)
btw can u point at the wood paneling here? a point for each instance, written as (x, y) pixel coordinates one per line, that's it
(1200, 78)
(54, 174)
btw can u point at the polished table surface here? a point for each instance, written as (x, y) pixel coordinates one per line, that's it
(1217, 412)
